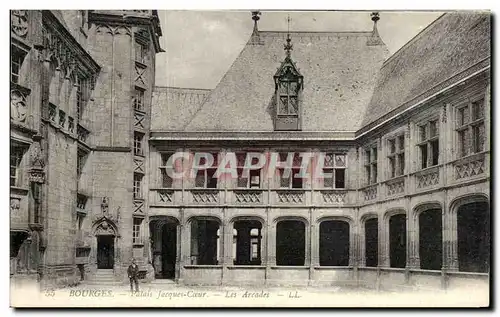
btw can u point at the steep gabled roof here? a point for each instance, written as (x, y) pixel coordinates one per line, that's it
(451, 45)
(172, 107)
(339, 70)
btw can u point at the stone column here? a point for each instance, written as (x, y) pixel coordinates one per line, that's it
(412, 258)
(185, 228)
(227, 256)
(271, 246)
(450, 239)
(314, 235)
(383, 243)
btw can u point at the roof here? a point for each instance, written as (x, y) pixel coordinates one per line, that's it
(449, 46)
(174, 107)
(339, 70)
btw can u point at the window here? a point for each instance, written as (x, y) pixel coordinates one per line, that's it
(62, 118)
(205, 178)
(288, 94)
(293, 179)
(140, 52)
(81, 202)
(396, 156)
(80, 88)
(139, 99)
(429, 143)
(136, 231)
(138, 138)
(288, 86)
(137, 186)
(80, 162)
(371, 157)
(334, 171)
(470, 128)
(37, 201)
(17, 56)
(16, 156)
(252, 180)
(166, 180)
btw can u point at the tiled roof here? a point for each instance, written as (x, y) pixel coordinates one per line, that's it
(172, 108)
(339, 70)
(449, 46)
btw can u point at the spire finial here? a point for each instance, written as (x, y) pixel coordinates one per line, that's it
(375, 38)
(255, 34)
(288, 45)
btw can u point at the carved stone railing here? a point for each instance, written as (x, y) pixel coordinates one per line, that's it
(333, 197)
(370, 192)
(164, 196)
(469, 166)
(395, 186)
(248, 196)
(427, 178)
(83, 134)
(288, 196)
(204, 196)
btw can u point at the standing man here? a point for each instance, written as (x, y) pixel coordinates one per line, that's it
(132, 271)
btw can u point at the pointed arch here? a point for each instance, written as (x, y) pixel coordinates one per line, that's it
(105, 226)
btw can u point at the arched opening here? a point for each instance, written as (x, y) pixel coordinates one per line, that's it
(163, 233)
(371, 242)
(247, 242)
(105, 233)
(430, 227)
(397, 240)
(290, 242)
(334, 243)
(205, 239)
(473, 225)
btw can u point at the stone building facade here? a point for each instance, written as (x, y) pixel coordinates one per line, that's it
(405, 139)
(81, 86)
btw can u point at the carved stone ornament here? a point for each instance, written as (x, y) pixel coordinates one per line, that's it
(105, 205)
(19, 23)
(37, 160)
(104, 229)
(18, 106)
(37, 175)
(15, 204)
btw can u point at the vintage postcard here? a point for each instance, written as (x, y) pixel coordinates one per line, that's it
(249, 158)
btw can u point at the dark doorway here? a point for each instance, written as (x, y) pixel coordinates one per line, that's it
(473, 223)
(290, 243)
(169, 250)
(334, 243)
(430, 227)
(105, 252)
(371, 242)
(397, 243)
(248, 242)
(204, 242)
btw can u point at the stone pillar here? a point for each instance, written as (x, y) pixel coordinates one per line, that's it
(271, 246)
(185, 250)
(314, 234)
(383, 243)
(450, 240)
(412, 254)
(227, 255)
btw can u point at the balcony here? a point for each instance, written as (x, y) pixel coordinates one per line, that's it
(428, 178)
(247, 196)
(369, 193)
(395, 186)
(470, 167)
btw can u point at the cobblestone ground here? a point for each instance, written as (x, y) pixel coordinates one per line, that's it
(173, 295)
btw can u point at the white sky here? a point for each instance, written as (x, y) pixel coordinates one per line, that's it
(201, 45)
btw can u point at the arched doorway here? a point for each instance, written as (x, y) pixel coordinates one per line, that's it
(473, 233)
(164, 241)
(105, 232)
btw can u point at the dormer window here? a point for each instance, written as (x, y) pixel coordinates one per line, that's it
(288, 84)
